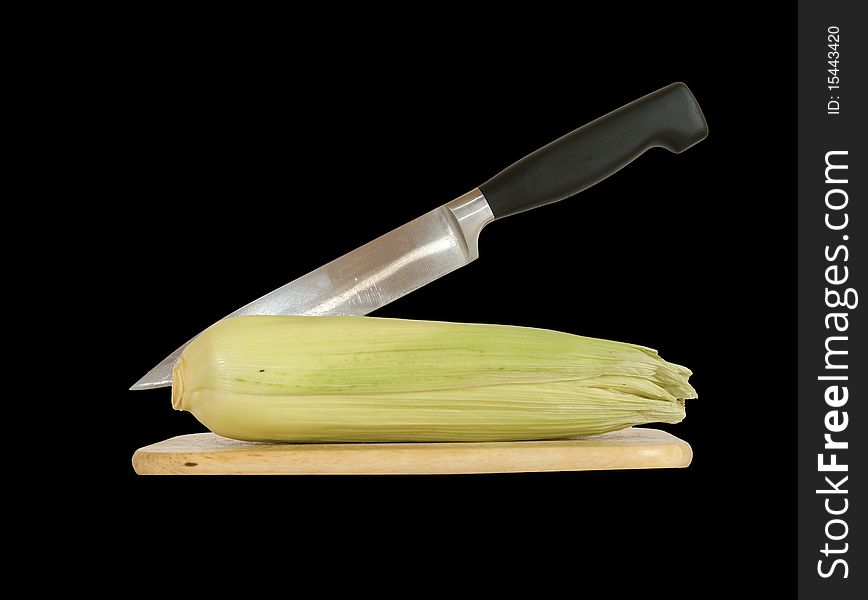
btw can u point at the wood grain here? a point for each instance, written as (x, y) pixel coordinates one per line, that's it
(209, 454)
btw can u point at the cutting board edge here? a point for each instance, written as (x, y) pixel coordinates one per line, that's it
(633, 448)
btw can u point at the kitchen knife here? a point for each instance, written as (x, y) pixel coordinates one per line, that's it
(445, 239)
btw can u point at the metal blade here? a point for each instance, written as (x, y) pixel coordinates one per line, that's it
(373, 275)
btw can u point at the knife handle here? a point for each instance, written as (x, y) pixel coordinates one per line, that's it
(669, 118)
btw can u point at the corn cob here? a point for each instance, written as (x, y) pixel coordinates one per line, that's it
(364, 379)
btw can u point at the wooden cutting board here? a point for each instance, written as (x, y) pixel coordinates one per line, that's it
(209, 454)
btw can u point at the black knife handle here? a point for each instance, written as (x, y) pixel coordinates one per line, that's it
(669, 117)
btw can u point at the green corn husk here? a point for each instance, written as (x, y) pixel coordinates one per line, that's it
(364, 379)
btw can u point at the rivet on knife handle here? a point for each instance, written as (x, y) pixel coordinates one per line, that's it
(669, 118)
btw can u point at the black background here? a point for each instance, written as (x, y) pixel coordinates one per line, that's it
(169, 166)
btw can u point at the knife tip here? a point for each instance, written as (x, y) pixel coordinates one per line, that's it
(155, 378)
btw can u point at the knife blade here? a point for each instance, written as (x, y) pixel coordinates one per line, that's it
(446, 238)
